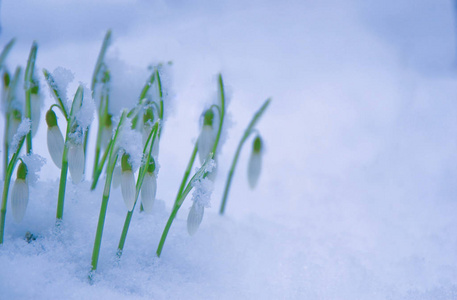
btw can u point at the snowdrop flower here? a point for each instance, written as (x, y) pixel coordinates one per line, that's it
(107, 132)
(76, 161)
(127, 182)
(255, 162)
(20, 194)
(194, 218)
(54, 139)
(207, 136)
(149, 188)
(201, 197)
(117, 176)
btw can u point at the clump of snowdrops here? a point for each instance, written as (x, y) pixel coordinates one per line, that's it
(126, 148)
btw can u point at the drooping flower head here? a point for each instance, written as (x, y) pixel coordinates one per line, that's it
(255, 162)
(20, 194)
(127, 182)
(54, 138)
(207, 135)
(149, 187)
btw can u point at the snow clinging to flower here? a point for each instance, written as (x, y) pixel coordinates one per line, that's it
(23, 129)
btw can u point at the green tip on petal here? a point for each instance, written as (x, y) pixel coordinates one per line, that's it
(126, 166)
(209, 117)
(51, 118)
(257, 145)
(109, 120)
(17, 115)
(35, 88)
(106, 77)
(152, 166)
(6, 79)
(21, 171)
(148, 116)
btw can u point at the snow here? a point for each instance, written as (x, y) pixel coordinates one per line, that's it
(62, 78)
(23, 129)
(34, 163)
(202, 192)
(357, 195)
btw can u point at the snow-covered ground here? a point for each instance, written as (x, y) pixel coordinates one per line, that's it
(357, 196)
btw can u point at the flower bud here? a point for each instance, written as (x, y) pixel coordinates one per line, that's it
(76, 161)
(54, 139)
(255, 162)
(107, 132)
(148, 190)
(207, 136)
(116, 177)
(127, 182)
(20, 194)
(195, 217)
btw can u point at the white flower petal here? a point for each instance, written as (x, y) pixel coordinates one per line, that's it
(205, 142)
(55, 145)
(148, 191)
(254, 166)
(19, 199)
(76, 162)
(194, 218)
(35, 113)
(128, 188)
(105, 137)
(117, 177)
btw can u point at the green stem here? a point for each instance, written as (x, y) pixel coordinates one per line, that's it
(177, 203)
(102, 115)
(28, 90)
(6, 144)
(100, 166)
(62, 184)
(77, 101)
(6, 186)
(101, 218)
(100, 58)
(5, 51)
(8, 116)
(245, 136)
(150, 141)
(106, 192)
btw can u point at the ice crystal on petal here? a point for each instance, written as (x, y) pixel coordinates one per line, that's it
(23, 129)
(34, 162)
(62, 78)
(85, 114)
(130, 142)
(202, 192)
